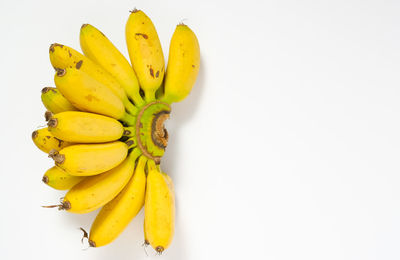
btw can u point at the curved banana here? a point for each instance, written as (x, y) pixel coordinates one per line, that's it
(46, 142)
(59, 179)
(94, 192)
(100, 49)
(116, 215)
(82, 127)
(62, 57)
(145, 52)
(87, 94)
(159, 209)
(90, 159)
(183, 64)
(55, 102)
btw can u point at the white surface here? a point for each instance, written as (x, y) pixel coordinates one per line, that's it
(287, 148)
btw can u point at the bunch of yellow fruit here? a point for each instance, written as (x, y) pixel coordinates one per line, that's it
(106, 130)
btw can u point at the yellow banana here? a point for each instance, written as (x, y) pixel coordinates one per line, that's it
(82, 127)
(183, 64)
(145, 52)
(100, 49)
(55, 102)
(62, 57)
(116, 215)
(159, 209)
(59, 179)
(94, 192)
(46, 142)
(90, 159)
(87, 94)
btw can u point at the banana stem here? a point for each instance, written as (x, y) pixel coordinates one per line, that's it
(130, 108)
(150, 95)
(134, 154)
(138, 100)
(128, 119)
(165, 99)
(151, 165)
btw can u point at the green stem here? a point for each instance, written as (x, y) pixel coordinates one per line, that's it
(134, 154)
(128, 119)
(150, 95)
(131, 108)
(138, 100)
(165, 99)
(151, 165)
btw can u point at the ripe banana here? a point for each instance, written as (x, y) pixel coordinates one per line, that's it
(59, 179)
(106, 130)
(62, 57)
(87, 94)
(82, 127)
(55, 102)
(145, 52)
(183, 64)
(159, 209)
(94, 192)
(100, 49)
(90, 159)
(46, 142)
(116, 215)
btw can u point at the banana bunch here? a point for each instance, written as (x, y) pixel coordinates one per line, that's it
(105, 127)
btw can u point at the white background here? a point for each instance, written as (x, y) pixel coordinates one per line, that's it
(287, 148)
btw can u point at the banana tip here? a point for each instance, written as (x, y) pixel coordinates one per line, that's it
(60, 72)
(134, 10)
(45, 179)
(48, 115)
(58, 158)
(53, 122)
(45, 90)
(65, 205)
(92, 243)
(52, 46)
(35, 134)
(159, 249)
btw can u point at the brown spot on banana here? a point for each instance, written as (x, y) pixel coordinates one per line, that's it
(145, 36)
(79, 64)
